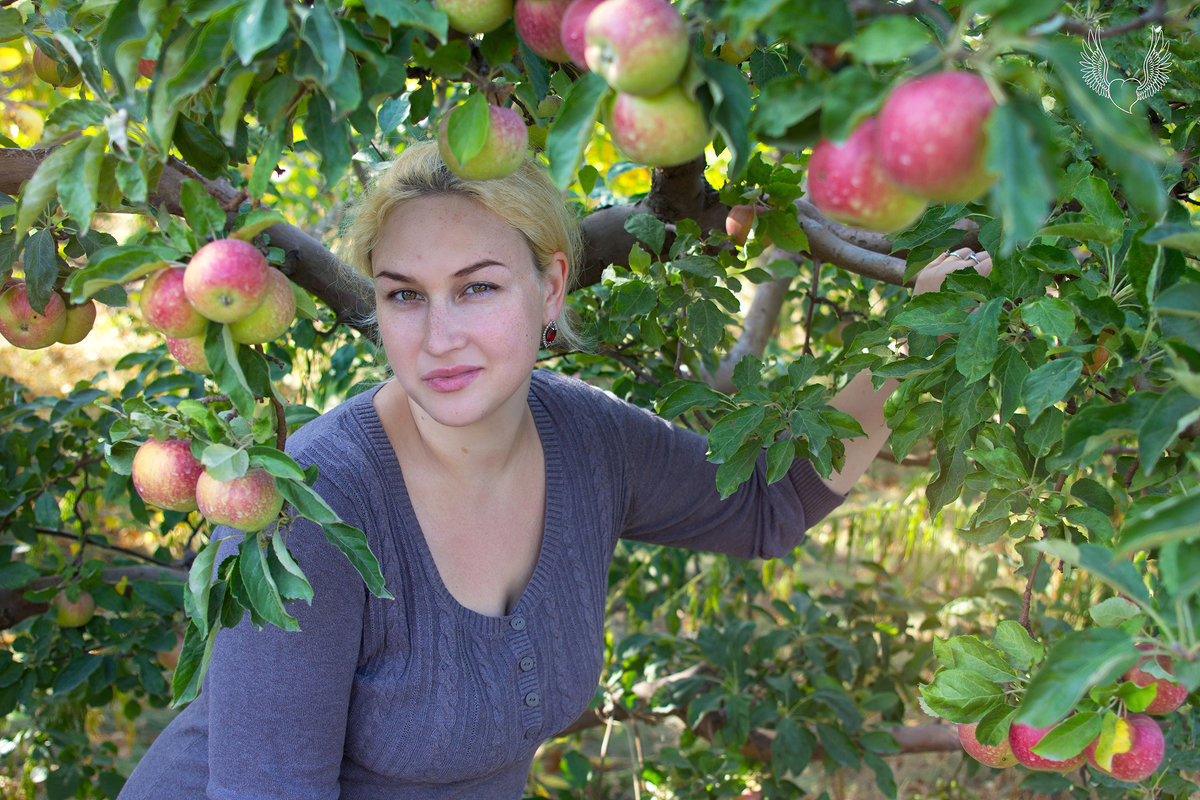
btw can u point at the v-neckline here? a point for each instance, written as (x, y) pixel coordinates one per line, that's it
(551, 520)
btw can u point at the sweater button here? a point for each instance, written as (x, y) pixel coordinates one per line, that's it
(532, 699)
(517, 623)
(531, 733)
(526, 663)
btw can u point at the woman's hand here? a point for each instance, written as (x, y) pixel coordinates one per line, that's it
(930, 278)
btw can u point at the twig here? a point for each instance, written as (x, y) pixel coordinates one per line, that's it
(1027, 598)
(97, 542)
(1157, 12)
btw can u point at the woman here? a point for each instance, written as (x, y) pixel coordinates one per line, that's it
(493, 495)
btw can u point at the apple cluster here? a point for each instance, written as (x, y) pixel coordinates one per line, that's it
(226, 281)
(166, 474)
(32, 329)
(926, 144)
(639, 47)
(1137, 743)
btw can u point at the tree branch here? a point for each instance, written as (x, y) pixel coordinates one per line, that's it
(14, 607)
(757, 329)
(827, 245)
(1157, 12)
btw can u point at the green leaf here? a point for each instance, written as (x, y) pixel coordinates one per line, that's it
(76, 672)
(42, 187)
(1022, 192)
(224, 463)
(41, 268)
(969, 653)
(199, 585)
(648, 229)
(1093, 193)
(729, 96)
(1049, 316)
(979, 342)
(259, 25)
(961, 695)
(1121, 575)
(115, 265)
(838, 746)
(324, 35)
(223, 353)
(16, 574)
(1112, 612)
(737, 468)
(353, 543)
(1049, 383)
(730, 431)
(887, 39)
(194, 658)
(1175, 519)
(79, 189)
(409, 14)
(993, 727)
(792, 748)
(780, 456)
(933, 314)
(287, 573)
(1020, 648)
(202, 211)
(276, 462)
(260, 585)
(1075, 664)
(571, 130)
(707, 323)
(307, 501)
(691, 394)
(1179, 236)
(1069, 738)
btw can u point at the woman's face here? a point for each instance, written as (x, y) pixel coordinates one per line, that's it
(461, 306)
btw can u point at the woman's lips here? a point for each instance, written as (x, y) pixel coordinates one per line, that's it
(450, 379)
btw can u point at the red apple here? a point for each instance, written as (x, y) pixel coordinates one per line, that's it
(273, 316)
(53, 72)
(190, 354)
(639, 46)
(1170, 696)
(80, 319)
(146, 67)
(165, 306)
(997, 756)
(572, 30)
(1023, 738)
(1144, 753)
(249, 503)
(847, 185)
(226, 279)
(666, 129)
(539, 23)
(73, 613)
(476, 16)
(740, 221)
(165, 474)
(503, 150)
(931, 137)
(24, 327)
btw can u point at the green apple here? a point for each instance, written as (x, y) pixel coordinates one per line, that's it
(80, 319)
(73, 613)
(476, 16)
(503, 149)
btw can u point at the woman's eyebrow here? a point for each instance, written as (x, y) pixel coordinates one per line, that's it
(462, 273)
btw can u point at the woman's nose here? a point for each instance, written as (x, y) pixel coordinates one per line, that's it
(443, 329)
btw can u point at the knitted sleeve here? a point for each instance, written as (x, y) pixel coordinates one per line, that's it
(278, 700)
(671, 498)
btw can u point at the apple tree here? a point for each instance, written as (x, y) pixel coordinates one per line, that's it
(759, 183)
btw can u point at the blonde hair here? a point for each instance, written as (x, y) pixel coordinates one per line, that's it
(525, 199)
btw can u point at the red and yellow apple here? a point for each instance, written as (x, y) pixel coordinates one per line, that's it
(226, 279)
(639, 47)
(53, 72)
(666, 129)
(189, 353)
(1138, 752)
(997, 756)
(165, 474)
(1170, 695)
(165, 306)
(846, 184)
(573, 22)
(1023, 738)
(539, 24)
(931, 136)
(26, 327)
(249, 503)
(273, 316)
(502, 152)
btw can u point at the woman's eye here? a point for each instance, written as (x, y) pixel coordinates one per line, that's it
(405, 295)
(479, 288)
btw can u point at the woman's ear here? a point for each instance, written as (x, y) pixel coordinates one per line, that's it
(554, 281)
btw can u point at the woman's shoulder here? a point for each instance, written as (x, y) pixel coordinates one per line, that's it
(342, 435)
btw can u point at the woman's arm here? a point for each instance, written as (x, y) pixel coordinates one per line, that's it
(862, 401)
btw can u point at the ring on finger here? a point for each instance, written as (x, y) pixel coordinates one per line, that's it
(971, 256)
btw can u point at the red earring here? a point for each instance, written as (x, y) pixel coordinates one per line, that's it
(549, 334)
